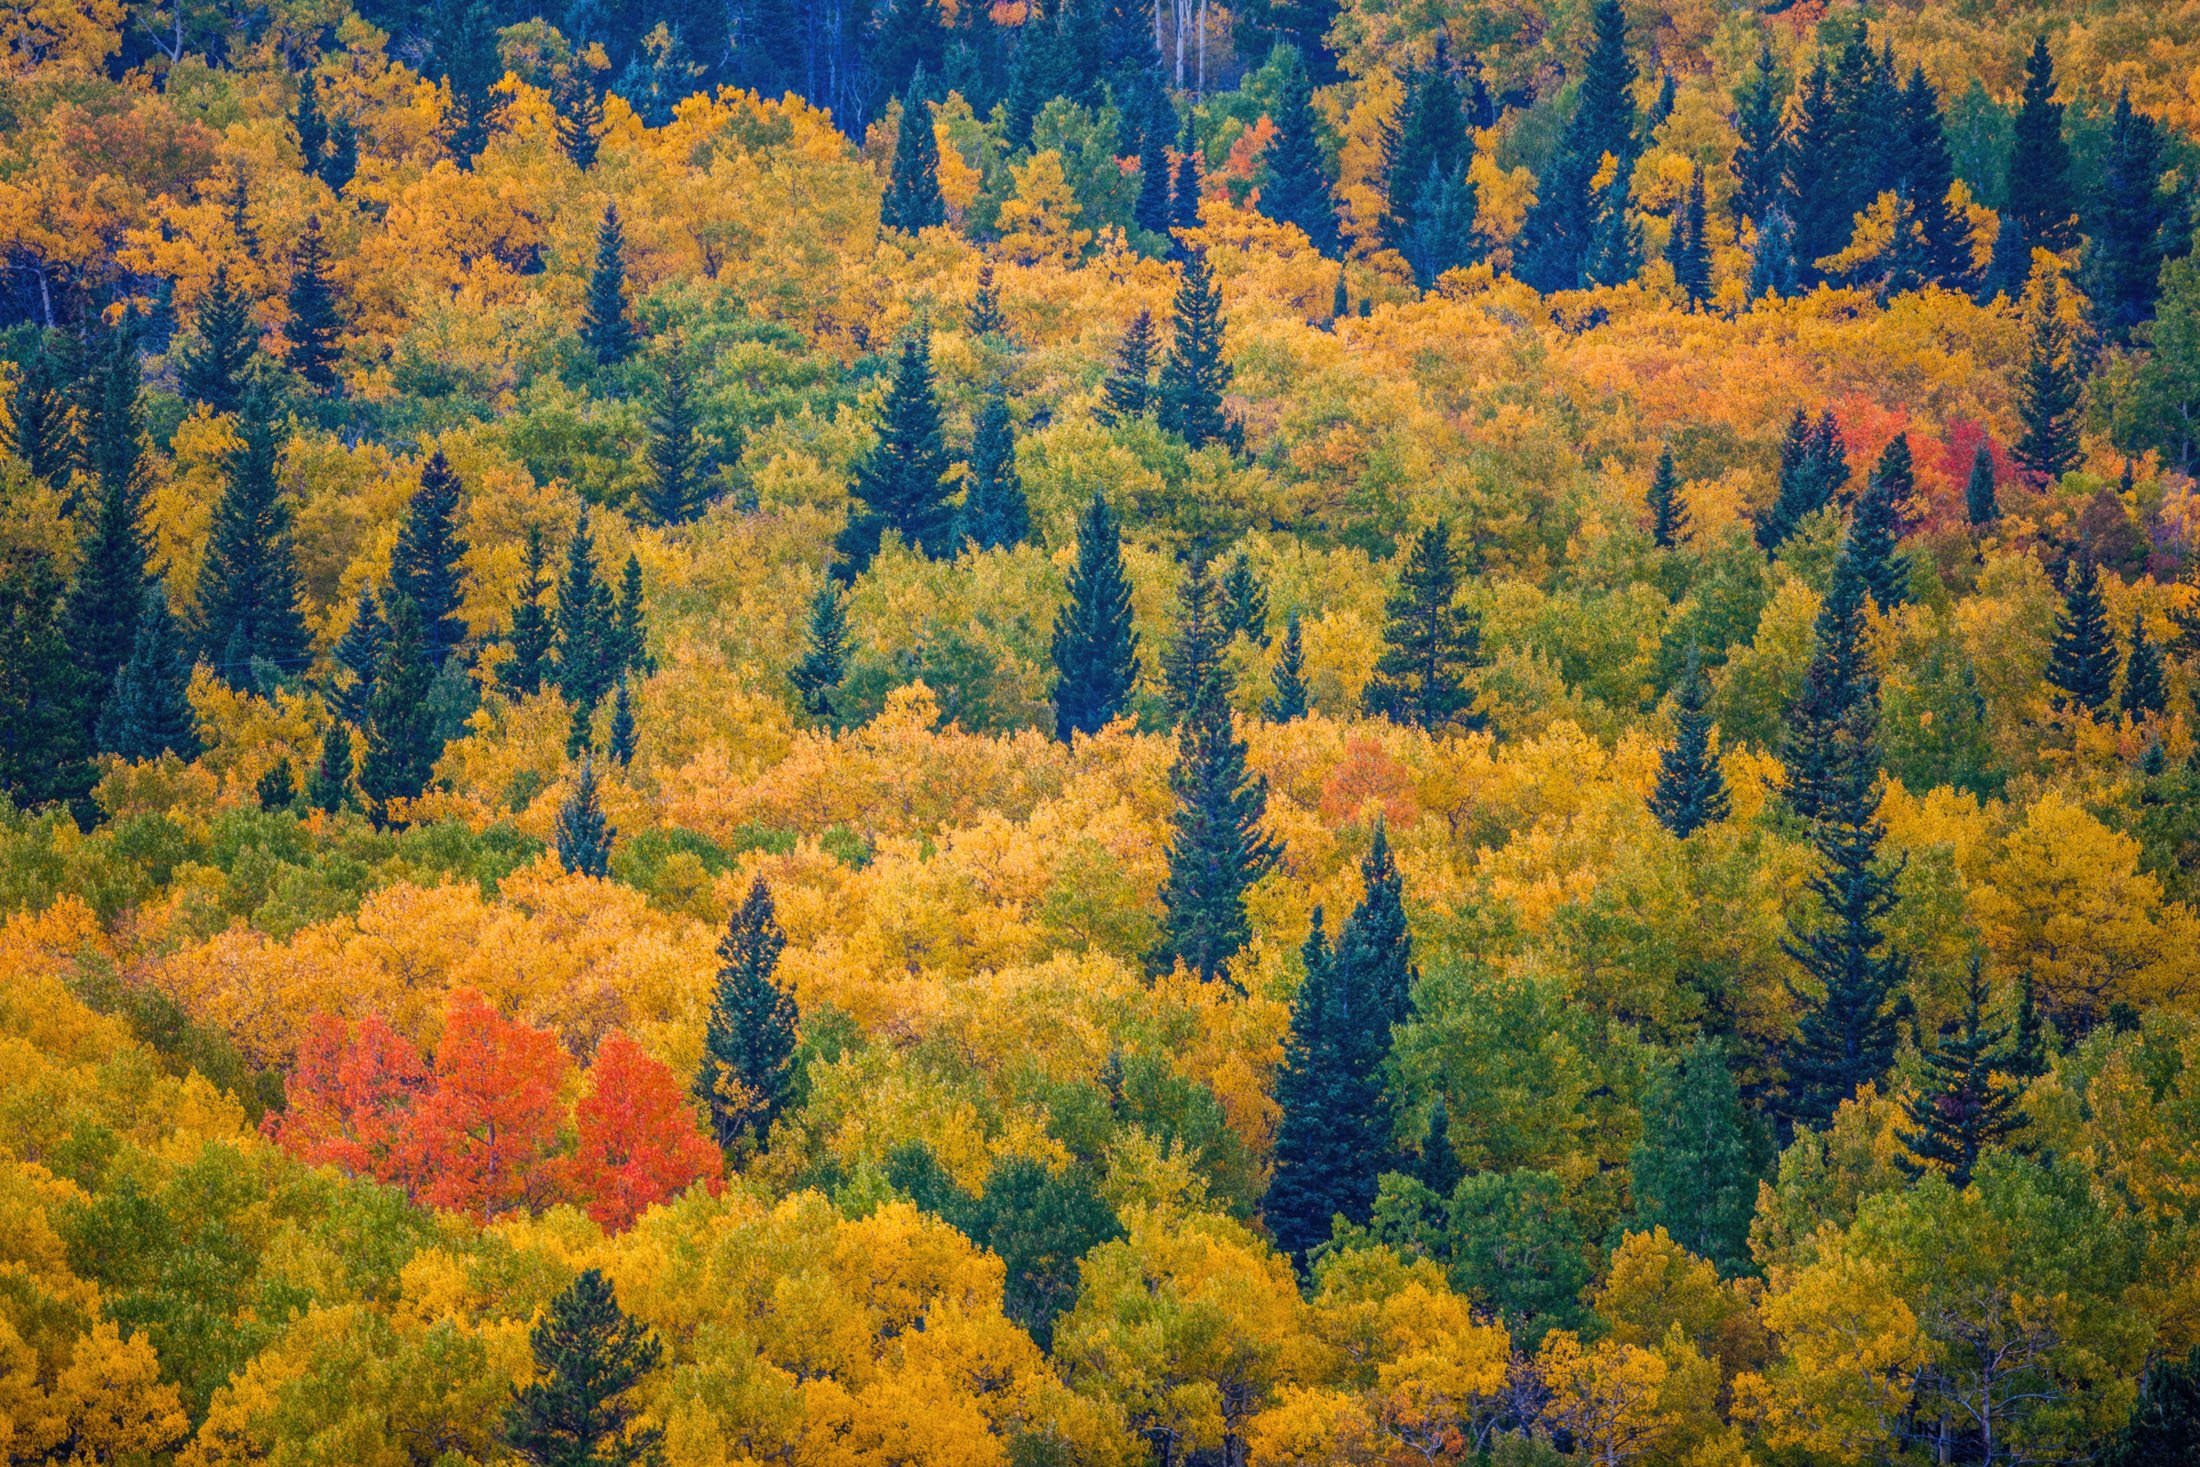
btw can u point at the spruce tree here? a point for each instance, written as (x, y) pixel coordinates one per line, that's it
(1760, 159)
(531, 635)
(1195, 656)
(1961, 1109)
(1689, 249)
(584, 619)
(1813, 467)
(2038, 189)
(583, 837)
(817, 676)
(674, 492)
(1979, 503)
(1244, 602)
(1436, 1164)
(356, 655)
(111, 410)
(912, 200)
(216, 363)
(1668, 514)
(1289, 700)
(985, 305)
(1772, 269)
(1095, 648)
(328, 787)
(277, 790)
(576, 1410)
(1430, 643)
(1216, 847)
(580, 113)
(1185, 187)
(1128, 390)
(1692, 1173)
(748, 1072)
(399, 728)
(628, 645)
(43, 747)
(1879, 522)
(308, 123)
(1298, 191)
(427, 567)
(994, 512)
(1615, 239)
(898, 485)
(314, 327)
(622, 725)
(1691, 789)
(1331, 1140)
(1838, 685)
(1151, 212)
(2163, 1429)
(1430, 198)
(2047, 399)
(1557, 238)
(2146, 691)
(2081, 663)
(100, 616)
(2128, 234)
(341, 163)
(147, 712)
(38, 429)
(607, 329)
(1924, 173)
(1842, 145)
(1188, 398)
(248, 587)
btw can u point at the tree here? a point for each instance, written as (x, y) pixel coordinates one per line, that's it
(401, 742)
(912, 200)
(1557, 238)
(635, 1142)
(1960, 1109)
(2047, 398)
(2081, 664)
(748, 1072)
(628, 643)
(101, 614)
(817, 676)
(2146, 688)
(1297, 190)
(308, 124)
(2164, 1427)
(1126, 392)
(674, 492)
(1691, 790)
(1772, 269)
(42, 727)
(1924, 174)
(1614, 256)
(898, 484)
(606, 327)
(314, 327)
(1693, 1173)
(994, 512)
(589, 1357)
(428, 565)
(277, 790)
(580, 113)
(1194, 658)
(341, 163)
(38, 427)
(2038, 185)
(2130, 232)
(1689, 249)
(358, 652)
(1040, 1226)
(1813, 467)
(1095, 648)
(1289, 699)
(530, 635)
(1430, 643)
(1668, 513)
(465, 51)
(216, 363)
(985, 304)
(1151, 212)
(1980, 506)
(248, 588)
(1429, 192)
(586, 665)
(1188, 397)
(2160, 405)
(328, 787)
(621, 747)
(1880, 519)
(1839, 683)
(1244, 607)
(583, 835)
(1184, 188)
(1760, 159)
(480, 1138)
(1216, 847)
(147, 712)
(1332, 1136)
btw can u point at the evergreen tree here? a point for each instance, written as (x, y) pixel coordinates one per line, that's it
(1430, 643)
(214, 366)
(1095, 647)
(357, 653)
(2038, 189)
(607, 329)
(1244, 602)
(427, 567)
(329, 786)
(912, 200)
(1128, 390)
(1151, 212)
(1839, 686)
(1184, 189)
(2146, 692)
(1443, 235)
(1615, 239)
(1772, 262)
(1188, 398)
(1813, 467)
(1979, 503)
(1668, 514)
(1289, 700)
(1961, 1110)
(1557, 238)
(277, 790)
(1331, 1138)
(898, 485)
(2163, 1429)
(583, 649)
(248, 588)
(1838, 162)
(748, 1071)
(576, 1411)
(1924, 173)
(1760, 159)
(1689, 249)
(2081, 665)
(825, 661)
(1691, 789)
(1879, 522)
(674, 493)
(629, 641)
(399, 729)
(2047, 399)
(2029, 1041)
(309, 125)
(622, 725)
(1429, 194)
(583, 837)
(42, 726)
(1194, 658)
(465, 36)
(148, 707)
(1692, 1173)
(111, 410)
(341, 163)
(531, 635)
(314, 326)
(2128, 235)
(1216, 847)
(100, 617)
(985, 305)
(994, 511)
(1297, 190)
(38, 428)
(580, 113)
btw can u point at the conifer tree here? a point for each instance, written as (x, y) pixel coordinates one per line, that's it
(2129, 232)
(1430, 196)
(1184, 188)
(1095, 648)
(2163, 1429)
(1216, 847)
(1431, 644)
(607, 329)
(825, 660)
(1879, 522)
(248, 588)
(309, 125)
(111, 410)
(2081, 663)
(1692, 1172)
(399, 728)
(1289, 699)
(1923, 174)
(2146, 691)
(583, 837)
(531, 636)
(1689, 249)
(912, 200)
(1244, 602)
(577, 1408)
(2038, 189)
(1615, 239)
(100, 617)
(1436, 1164)
(1668, 514)
(341, 163)
(629, 641)
(898, 485)
(1979, 503)
(427, 567)
(216, 363)
(584, 621)
(748, 1071)
(674, 493)
(1128, 390)
(1772, 262)
(1961, 1108)
(580, 114)
(1332, 1139)
(314, 326)
(1298, 191)
(38, 427)
(994, 511)
(1151, 212)
(2047, 399)
(1812, 469)
(985, 305)
(357, 653)
(43, 747)
(1188, 397)
(1195, 656)
(1760, 159)
(147, 711)
(1557, 238)
(1839, 682)
(1691, 790)
(277, 790)
(622, 725)
(1842, 144)
(328, 787)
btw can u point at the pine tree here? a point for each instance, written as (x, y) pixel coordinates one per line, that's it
(531, 635)
(38, 428)
(912, 200)
(1185, 187)
(628, 644)
(1095, 648)
(248, 588)
(1244, 602)
(1298, 191)
(428, 566)
(147, 712)
(1614, 255)
(607, 329)
(1289, 699)
(1839, 686)
(1692, 1173)
(43, 747)
(1812, 469)
(111, 410)
(2146, 691)
(1961, 1109)
(985, 305)
(2081, 664)
(356, 655)
(583, 837)
(2047, 399)
(583, 649)
(2038, 189)
(306, 121)
(1668, 514)
(1429, 194)
(1557, 238)
(1430, 643)
(674, 493)
(465, 36)
(1924, 173)
(748, 1071)
(1691, 790)
(898, 485)
(314, 326)
(1879, 522)
(1979, 503)
(1128, 390)
(1838, 162)
(1760, 160)
(2129, 232)
(825, 660)
(1151, 212)
(1689, 251)
(399, 728)
(328, 787)
(341, 163)
(994, 511)
(622, 725)
(575, 1410)
(1195, 656)
(580, 114)
(1216, 847)
(100, 617)
(1188, 398)
(1331, 1140)
(216, 363)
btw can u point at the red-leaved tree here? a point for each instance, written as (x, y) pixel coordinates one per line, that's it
(639, 1141)
(350, 1097)
(481, 1139)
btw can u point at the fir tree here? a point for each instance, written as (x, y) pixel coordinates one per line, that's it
(1429, 194)
(241, 231)
(358, 652)
(580, 113)
(1838, 163)
(1689, 249)
(1151, 212)
(309, 125)
(216, 363)
(1692, 1173)
(1188, 398)
(1979, 503)
(1772, 262)
(1436, 1164)
(2146, 692)
(584, 622)
(1760, 159)
(622, 725)
(1332, 1139)
(1430, 643)
(607, 329)
(1127, 392)
(1879, 522)
(1614, 255)
(575, 1410)
(1443, 235)
(583, 837)
(399, 728)
(898, 485)
(994, 511)
(328, 787)
(1297, 190)
(38, 427)
(1244, 602)
(277, 790)
(1216, 847)
(465, 39)
(2039, 162)
(2129, 232)
(1924, 173)
(147, 712)
(1095, 648)
(748, 1072)
(985, 305)
(2047, 399)
(1961, 1109)
(1195, 656)
(1668, 514)
(42, 728)
(2081, 664)
(248, 588)
(1558, 235)
(912, 200)
(100, 617)
(111, 410)
(1813, 467)
(628, 644)
(314, 326)
(1838, 686)
(1184, 189)
(1691, 790)
(428, 566)
(341, 163)
(531, 635)
(674, 492)
(2163, 1429)
(1289, 700)
(824, 663)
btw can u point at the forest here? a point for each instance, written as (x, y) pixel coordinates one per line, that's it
(1077, 733)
